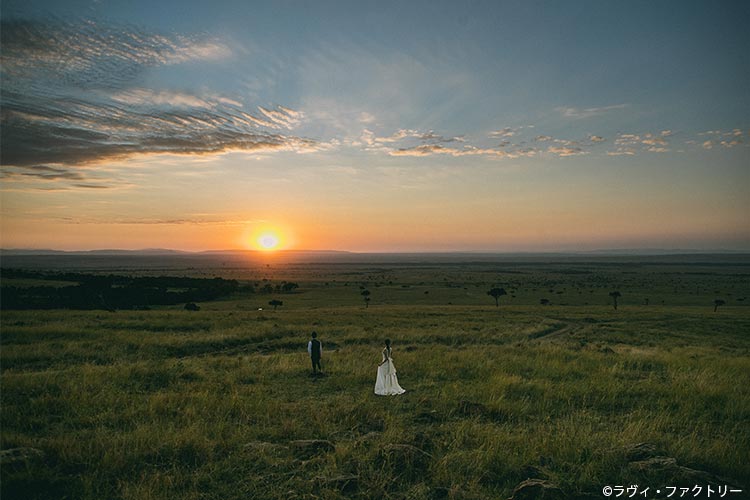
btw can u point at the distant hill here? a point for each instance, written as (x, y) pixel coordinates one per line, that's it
(166, 259)
(145, 251)
(438, 254)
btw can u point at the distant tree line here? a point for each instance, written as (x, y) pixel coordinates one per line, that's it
(110, 292)
(283, 287)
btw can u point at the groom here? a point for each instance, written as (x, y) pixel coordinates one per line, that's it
(315, 350)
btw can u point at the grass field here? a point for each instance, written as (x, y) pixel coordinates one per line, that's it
(211, 404)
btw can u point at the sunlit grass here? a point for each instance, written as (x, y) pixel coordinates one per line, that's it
(172, 404)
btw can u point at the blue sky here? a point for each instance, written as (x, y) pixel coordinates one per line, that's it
(446, 126)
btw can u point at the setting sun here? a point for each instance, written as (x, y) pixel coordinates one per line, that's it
(268, 241)
(267, 237)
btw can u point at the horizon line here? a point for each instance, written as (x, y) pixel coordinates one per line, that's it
(610, 251)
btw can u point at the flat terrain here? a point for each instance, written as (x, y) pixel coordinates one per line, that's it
(213, 404)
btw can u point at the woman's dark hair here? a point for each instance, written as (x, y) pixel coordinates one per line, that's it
(314, 334)
(388, 343)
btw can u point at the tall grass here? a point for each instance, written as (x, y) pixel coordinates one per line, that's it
(170, 404)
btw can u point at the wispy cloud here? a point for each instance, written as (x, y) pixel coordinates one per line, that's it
(514, 144)
(402, 134)
(433, 149)
(723, 138)
(71, 96)
(564, 151)
(503, 133)
(17, 178)
(578, 113)
(629, 144)
(90, 55)
(209, 221)
(406, 142)
(519, 142)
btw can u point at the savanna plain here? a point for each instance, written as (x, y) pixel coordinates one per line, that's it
(553, 384)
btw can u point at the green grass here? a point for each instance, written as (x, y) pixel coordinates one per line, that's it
(201, 405)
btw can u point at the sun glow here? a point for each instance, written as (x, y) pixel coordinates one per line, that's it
(268, 241)
(267, 237)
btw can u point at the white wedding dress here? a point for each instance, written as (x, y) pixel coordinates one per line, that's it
(387, 383)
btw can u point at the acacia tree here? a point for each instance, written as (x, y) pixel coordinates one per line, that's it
(615, 295)
(717, 303)
(366, 296)
(496, 293)
(275, 303)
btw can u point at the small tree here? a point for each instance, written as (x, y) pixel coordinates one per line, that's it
(275, 303)
(289, 287)
(544, 302)
(615, 295)
(717, 303)
(366, 296)
(496, 293)
(192, 306)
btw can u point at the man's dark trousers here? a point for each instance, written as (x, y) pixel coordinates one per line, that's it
(315, 355)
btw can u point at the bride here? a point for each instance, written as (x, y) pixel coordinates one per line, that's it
(387, 384)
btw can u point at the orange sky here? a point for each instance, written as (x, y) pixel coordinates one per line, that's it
(385, 126)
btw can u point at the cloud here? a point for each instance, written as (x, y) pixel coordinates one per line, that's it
(366, 118)
(651, 140)
(631, 144)
(92, 55)
(92, 186)
(723, 138)
(398, 135)
(433, 149)
(424, 150)
(71, 96)
(564, 151)
(282, 117)
(146, 97)
(435, 138)
(407, 142)
(506, 132)
(76, 178)
(523, 144)
(45, 172)
(193, 219)
(577, 113)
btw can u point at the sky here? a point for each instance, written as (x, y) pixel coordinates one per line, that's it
(375, 126)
